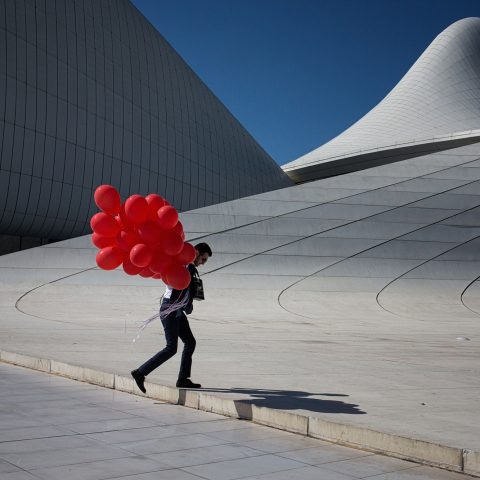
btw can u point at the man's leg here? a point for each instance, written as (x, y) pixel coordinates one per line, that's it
(186, 335)
(170, 326)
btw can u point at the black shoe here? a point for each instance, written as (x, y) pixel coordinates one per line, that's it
(139, 379)
(187, 383)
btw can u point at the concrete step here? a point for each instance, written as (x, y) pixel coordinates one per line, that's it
(442, 456)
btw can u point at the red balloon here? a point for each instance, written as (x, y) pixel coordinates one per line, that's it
(158, 276)
(126, 239)
(101, 241)
(146, 273)
(107, 199)
(178, 277)
(150, 232)
(167, 217)
(171, 243)
(178, 228)
(136, 208)
(129, 268)
(109, 258)
(154, 203)
(141, 255)
(119, 220)
(187, 254)
(104, 224)
(161, 262)
(125, 221)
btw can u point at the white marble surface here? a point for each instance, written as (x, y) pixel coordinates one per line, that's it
(116, 435)
(354, 318)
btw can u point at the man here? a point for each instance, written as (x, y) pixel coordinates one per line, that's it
(176, 326)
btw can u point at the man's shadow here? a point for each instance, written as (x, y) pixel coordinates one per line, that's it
(291, 400)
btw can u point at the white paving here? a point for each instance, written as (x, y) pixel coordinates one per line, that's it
(116, 435)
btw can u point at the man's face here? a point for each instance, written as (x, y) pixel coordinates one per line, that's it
(200, 259)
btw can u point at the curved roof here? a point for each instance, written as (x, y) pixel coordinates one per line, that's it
(436, 103)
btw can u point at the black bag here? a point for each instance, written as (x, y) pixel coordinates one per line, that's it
(197, 287)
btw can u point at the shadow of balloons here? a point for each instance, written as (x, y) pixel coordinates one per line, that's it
(287, 400)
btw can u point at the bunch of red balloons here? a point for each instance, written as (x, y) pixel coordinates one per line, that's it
(143, 234)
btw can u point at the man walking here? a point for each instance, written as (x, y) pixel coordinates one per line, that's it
(175, 304)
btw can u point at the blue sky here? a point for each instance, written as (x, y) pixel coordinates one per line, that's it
(296, 73)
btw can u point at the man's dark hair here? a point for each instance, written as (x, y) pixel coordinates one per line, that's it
(203, 248)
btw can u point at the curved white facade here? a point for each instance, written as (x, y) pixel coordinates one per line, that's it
(91, 93)
(435, 106)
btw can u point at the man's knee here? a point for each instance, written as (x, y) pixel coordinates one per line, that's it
(190, 346)
(171, 349)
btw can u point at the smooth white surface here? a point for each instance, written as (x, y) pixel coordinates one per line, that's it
(437, 99)
(354, 320)
(111, 434)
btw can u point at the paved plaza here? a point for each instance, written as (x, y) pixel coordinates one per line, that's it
(54, 428)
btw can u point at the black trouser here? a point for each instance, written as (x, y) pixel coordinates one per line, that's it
(176, 326)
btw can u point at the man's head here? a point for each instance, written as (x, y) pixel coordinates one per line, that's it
(203, 253)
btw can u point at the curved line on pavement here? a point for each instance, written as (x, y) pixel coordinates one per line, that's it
(465, 291)
(22, 297)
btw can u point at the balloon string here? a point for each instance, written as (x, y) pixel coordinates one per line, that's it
(172, 307)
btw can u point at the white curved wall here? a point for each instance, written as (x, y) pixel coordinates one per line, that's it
(439, 97)
(91, 93)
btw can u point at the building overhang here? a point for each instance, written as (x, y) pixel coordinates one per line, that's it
(363, 159)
